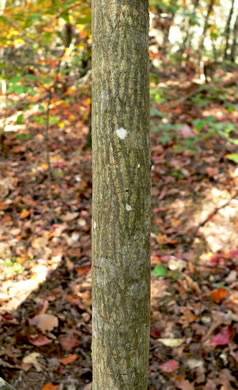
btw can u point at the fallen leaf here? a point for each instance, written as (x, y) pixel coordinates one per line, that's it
(194, 363)
(159, 270)
(24, 214)
(22, 259)
(222, 338)
(68, 359)
(44, 166)
(45, 322)
(233, 301)
(83, 270)
(69, 217)
(186, 131)
(184, 384)
(169, 366)
(40, 340)
(212, 172)
(50, 386)
(219, 294)
(163, 193)
(187, 317)
(32, 360)
(176, 264)
(39, 242)
(155, 332)
(69, 342)
(173, 343)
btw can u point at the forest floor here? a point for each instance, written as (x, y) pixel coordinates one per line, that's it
(45, 247)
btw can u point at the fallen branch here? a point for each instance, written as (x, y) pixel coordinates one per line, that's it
(212, 214)
(4, 385)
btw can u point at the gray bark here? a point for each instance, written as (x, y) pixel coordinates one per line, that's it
(206, 24)
(228, 30)
(121, 194)
(234, 43)
(4, 385)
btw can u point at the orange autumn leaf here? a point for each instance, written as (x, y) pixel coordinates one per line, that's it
(68, 359)
(3, 206)
(83, 270)
(24, 214)
(50, 386)
(44, 166)
(219, 294)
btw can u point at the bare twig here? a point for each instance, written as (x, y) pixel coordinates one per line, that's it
(212, 214)
(48, 156)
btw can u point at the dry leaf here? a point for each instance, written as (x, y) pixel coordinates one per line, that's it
(69, 217)
(69, 342)
(222, 338)
(83, 270)
(50, 386)
(24, 214)
(169, 366)
(40, 340)
(176, 264)
(22, 259)
(219, 294)
(39, 242)
(186, 131)
(154, 332)
(173, 343)
(68, 359)
(44, 166)
(45, 322)
(32, 360)
(183, 384)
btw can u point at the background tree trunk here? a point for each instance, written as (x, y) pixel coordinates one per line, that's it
(206, 24)
(121, 194)
(234, 43)
(228, 30)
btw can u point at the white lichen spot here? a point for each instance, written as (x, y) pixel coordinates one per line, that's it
(138, 166)
(121, 133)
(94, 225)
(128, 207)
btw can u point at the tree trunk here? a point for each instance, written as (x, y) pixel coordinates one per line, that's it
(228, 30)
(187, 23)
(121, 194)
(234, 43)
(206, 25)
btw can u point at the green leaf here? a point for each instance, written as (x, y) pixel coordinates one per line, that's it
(165, 138)
(23, 137)
(85, 20)
(3, 19)
(155, 112)
(233, 157)
(53, 119)
(19, 119)
(35, 16)
(30, 77)
(159, 270)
